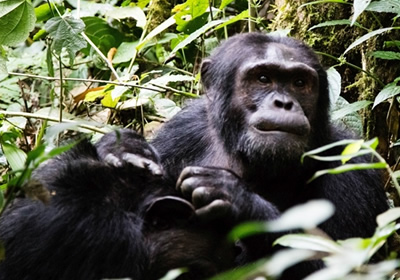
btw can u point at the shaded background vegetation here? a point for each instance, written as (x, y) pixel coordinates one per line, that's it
(73, 68)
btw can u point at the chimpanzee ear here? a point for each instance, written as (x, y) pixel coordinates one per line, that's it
(169, 207)
(204, 69)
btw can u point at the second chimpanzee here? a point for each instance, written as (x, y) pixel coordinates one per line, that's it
(266, 103)
(111, 214)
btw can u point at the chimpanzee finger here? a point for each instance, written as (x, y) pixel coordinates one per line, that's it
(142, 162)
(189, 172)
(212, 173)
(203, 196)
(215, 210)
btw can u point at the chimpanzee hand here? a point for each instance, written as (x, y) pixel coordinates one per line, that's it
(126, 146)
(219, 193)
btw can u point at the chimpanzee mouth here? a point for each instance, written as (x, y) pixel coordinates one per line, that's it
(271, 128)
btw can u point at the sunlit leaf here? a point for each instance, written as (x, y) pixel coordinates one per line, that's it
(327, 147)
(385, 6)
(335, 84)
(15, 156)
(309, 242)
(387, 92)
(387, 217)
(241, 16)
(304, 216)
(196, 34)
(224, 3)
(367, 36)
(347, 168)
(163, 26)
(351, 149)
(359, 6)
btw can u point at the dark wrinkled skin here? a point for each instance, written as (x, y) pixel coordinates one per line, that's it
(266, 103)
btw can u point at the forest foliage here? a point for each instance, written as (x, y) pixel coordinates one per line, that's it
(74, 68)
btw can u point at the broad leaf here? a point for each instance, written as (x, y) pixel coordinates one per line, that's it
(101, 34)
(367, 36)
(334, 23)
(335, 84)
(349, 167)
(387, 217)
(359, 7)
(385, 6)
(241, 16)
(309, 242)
(351, 108)
(388, 91)
(195, 35)
(304, 216)
(386, 55)
(17, 19)
(15, 156)
(129, 12)
(351, 150)
(66, 33)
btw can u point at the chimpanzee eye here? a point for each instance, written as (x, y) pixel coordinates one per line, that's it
(264, 79)
(299, 83)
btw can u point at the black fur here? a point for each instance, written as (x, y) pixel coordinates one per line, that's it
(108, 221)
(214, 131)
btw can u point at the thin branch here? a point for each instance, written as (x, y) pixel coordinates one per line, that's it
(42, 117)
(109, 64)
(83, 80)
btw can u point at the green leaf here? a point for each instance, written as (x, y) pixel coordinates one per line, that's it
(163, 26)
(327, 147)
(15, 156)
(166, 107)
(334, 23)
(125, 52)
(129, 12)
(304, 216)
(3, 66)
(224, 3)
(195, 35)
(44, 12)
(387, 92)
(66, 33)
(347, 168)
(351, 108)
(17, 19)
(101, 34)
(335, 84)
(309, 242)
(351, 150)
(388, 217)
(366, 37)
(385, 6)
(359, 6)
(323, 2)
(386, 55)
(247, 229)
(241, 16)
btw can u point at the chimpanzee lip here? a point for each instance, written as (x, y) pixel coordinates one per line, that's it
(271, 128)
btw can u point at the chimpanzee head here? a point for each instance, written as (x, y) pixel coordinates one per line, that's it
(268, 97)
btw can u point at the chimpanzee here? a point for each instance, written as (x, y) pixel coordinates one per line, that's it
(266, 103)
(111, 214)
